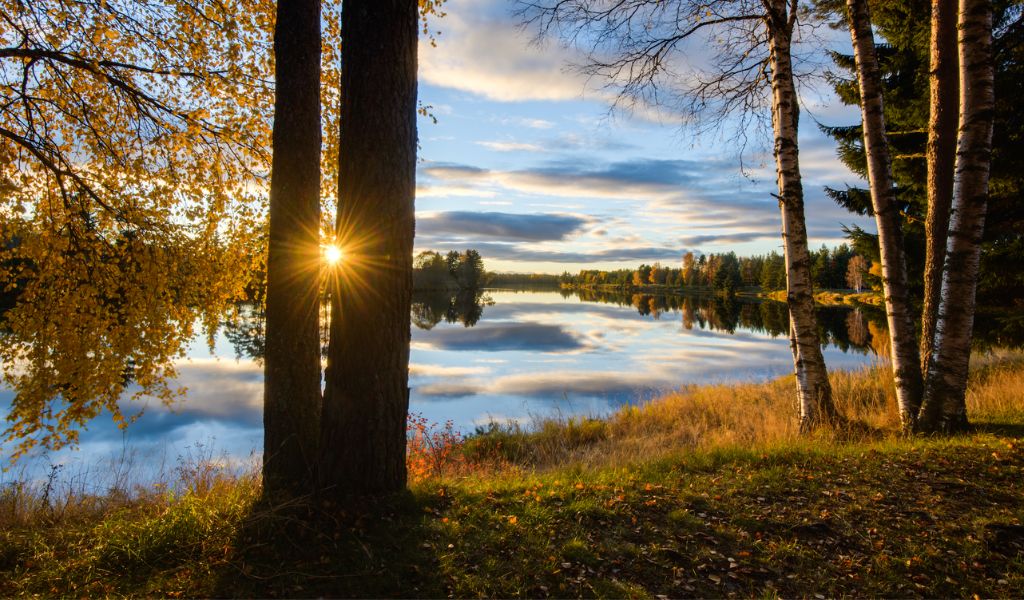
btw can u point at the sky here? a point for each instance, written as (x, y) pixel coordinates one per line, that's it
(528, 164)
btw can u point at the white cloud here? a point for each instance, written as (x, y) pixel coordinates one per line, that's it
(487, 55)
(536, 123)
(512, 146)
(445, 191)
(424, 370)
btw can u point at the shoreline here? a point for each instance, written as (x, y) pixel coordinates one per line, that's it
(822, 298)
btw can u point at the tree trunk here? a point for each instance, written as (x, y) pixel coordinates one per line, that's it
(291, 397)
(906, 364)
(367, 394)
(944, 406)
(942, 125)
(814, 394)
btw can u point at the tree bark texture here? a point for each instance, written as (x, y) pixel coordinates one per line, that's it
(941, 157)
(906, 364)
(944, 407)
(291, 410)
(367, 395)
(814, 394)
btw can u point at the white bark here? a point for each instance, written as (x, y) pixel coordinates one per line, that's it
(944, 407)
(906, 364)
(814, 394)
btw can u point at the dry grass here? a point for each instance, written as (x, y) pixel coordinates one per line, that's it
(745, 415)
(116, 485)
(835, 298)
(996, 391)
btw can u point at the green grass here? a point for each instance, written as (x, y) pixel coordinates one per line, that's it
(595, 513)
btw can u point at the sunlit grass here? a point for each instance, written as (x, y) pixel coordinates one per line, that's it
(743, 415)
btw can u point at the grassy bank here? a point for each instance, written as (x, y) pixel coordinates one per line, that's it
(834, 297)
(707, 492)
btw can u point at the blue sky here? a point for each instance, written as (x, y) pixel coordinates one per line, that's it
(528, 165)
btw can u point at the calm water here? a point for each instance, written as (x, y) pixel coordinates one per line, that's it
(499, 356)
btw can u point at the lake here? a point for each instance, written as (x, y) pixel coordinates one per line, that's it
(500, 355)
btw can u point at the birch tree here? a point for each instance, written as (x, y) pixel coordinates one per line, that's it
(855, 270)
(944, 406)
(132, 165)
(637, 47)
(941, 157)
(904, 352)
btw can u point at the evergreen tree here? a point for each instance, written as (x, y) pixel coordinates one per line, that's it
(727, 278)
(904, 60)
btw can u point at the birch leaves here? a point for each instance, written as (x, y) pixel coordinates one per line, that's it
(134, 143)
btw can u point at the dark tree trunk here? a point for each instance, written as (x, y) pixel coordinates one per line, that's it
(945, 407)
(367, 394)
(291, 409)
(814, 394)
(906, 364)
(941, 156)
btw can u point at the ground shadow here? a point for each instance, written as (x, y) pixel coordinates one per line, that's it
(307, 548)
(1011, 430)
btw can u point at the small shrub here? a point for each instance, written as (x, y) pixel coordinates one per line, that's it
(432, 450)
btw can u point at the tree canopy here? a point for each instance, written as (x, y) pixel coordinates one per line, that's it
(133, 139)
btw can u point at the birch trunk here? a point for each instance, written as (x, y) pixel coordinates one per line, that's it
(366, 399)
(906, 364)
(944, 406)
(941, 157)
(291, 406)
(814, 394)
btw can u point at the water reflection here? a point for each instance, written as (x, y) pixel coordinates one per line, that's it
(246, 329)
(433, 306)
(840, 327)
(500, 355)
(534, 353)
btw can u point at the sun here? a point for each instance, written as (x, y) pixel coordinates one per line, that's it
(332, 254)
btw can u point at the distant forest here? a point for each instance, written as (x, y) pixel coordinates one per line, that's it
(837, 268)
(465, 271)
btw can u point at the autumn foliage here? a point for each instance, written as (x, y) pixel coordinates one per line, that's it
(432, 450)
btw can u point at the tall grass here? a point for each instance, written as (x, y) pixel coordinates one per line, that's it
(996, 390)
(99, 529)
(124, 479)
(751, 415)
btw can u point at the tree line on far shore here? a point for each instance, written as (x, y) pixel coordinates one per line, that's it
(837, 268)
(452, 271)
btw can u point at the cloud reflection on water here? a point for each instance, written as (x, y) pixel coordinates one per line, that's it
(531, 355)
(501, 337)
